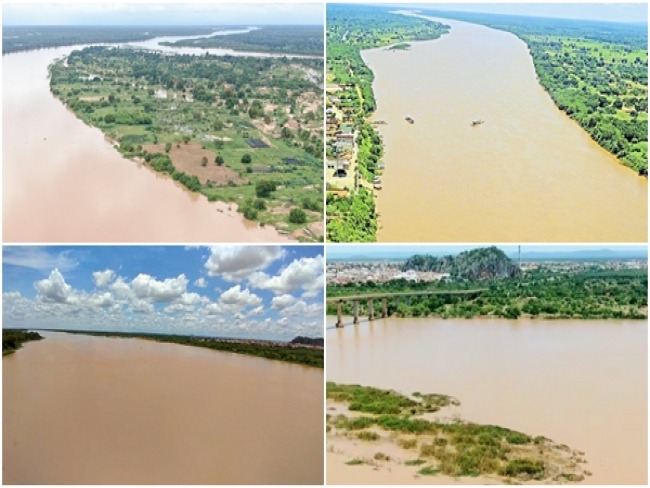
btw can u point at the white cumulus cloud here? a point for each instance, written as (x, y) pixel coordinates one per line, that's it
(235, 263)
(239, 299)
(303, 273)
(170, 289)
(103, 278)
(55, 289)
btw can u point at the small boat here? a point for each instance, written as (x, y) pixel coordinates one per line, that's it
(477, 122)
(377, 187)
(376, 180)
(381, 166)
(410, 120)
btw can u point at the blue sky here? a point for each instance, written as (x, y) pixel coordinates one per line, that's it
(616, 12)
(131, 13)
(263, 292)
(391, 251)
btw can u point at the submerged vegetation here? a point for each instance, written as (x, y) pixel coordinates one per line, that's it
(13, 339)
(245, 130)
(351, 29)
(596, 72)
(281, 351)
(453, 448)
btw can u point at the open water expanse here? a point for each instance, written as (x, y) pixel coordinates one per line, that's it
(88, 410)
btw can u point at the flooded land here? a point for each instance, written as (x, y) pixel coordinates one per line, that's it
(582, 383)
(528, 173)
(95, 410)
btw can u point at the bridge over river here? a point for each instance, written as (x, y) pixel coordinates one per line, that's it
(385, 297)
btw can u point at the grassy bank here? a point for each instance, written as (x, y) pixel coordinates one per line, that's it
(453, 448)
(236, 129)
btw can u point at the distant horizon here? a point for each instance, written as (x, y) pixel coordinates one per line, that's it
(134, 332)
(624, 13)
(160, 14)
(377, 252)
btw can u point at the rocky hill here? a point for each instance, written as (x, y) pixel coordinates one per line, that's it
(478, 264)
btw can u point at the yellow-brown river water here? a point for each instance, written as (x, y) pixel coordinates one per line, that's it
(580, 383)
(90, 410)
(528, 173)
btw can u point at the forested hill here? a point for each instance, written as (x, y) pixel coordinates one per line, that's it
(596, 72)
(477, 264)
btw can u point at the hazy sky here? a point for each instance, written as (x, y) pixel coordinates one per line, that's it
(131, 13)
(379, 250)
(617, 12)
(267, 292)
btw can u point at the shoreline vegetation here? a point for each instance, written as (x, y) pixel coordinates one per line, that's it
(351, 214)
(301, 350)
(596, 72)
(239, 130)
(304, 40)
(507, 291)
(13, 339)
(433, 445)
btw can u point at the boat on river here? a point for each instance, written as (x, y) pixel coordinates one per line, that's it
(477, 122)
(410, 119)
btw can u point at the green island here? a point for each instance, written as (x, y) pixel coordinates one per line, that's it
(436, 445)
(304, 39)
(351, 215)
(17, 38)
(13, 339)
(596, 72)
(301, 350)
(545, 291)
(245, 130)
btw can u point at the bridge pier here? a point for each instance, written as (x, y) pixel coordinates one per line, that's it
(355, 305)
(371, 310)
(339, 314)
(384, 308)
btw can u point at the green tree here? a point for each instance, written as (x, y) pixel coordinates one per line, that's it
(219, 160)
(246, 158)
(263, 188)
(297, 216)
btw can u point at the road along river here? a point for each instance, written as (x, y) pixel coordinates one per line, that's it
(528, 173)
(581, 383)
(95, 410)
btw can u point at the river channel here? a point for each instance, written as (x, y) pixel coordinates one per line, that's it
(580, 383)
(94, 410)
(528, 173)
(64, 182)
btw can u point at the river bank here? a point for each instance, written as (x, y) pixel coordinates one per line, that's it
(60, 175)
(216, 418)
(561, 379)
(528, 171)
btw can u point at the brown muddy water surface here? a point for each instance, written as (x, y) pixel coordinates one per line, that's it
(580, 383)
(63, 181)
(529, 173)
(88, 410)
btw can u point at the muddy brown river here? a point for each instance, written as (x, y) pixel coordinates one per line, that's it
(93, 410)
(64, 182)
(528, 173)
(580, 383)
